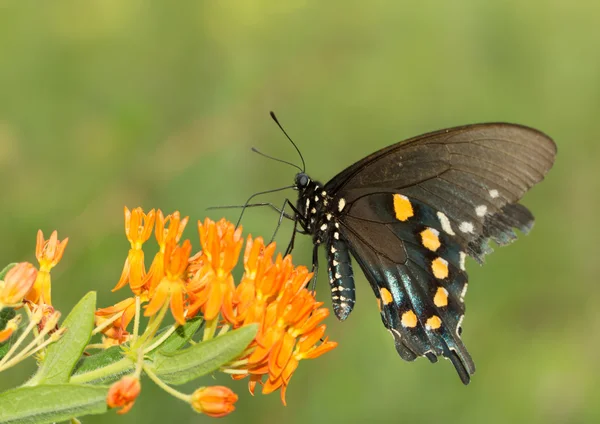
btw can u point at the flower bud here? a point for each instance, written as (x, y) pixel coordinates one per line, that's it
(214, 401)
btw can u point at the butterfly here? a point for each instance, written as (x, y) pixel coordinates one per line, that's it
(410, 214)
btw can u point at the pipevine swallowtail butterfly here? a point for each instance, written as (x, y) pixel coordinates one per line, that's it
(410, 214)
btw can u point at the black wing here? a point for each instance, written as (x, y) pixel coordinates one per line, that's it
(411, 212)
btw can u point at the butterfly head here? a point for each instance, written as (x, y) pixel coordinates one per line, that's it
(302, 181)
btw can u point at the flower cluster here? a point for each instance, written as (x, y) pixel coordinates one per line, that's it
(271, 294)
(25, 286)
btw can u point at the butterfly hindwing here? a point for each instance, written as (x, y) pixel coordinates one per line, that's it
(415, 271)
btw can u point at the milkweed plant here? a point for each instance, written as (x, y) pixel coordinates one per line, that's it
(94, 359)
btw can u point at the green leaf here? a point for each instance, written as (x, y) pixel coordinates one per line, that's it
(203, 358)
(5, 270)
(62, 356)
(6, 315)
(51, 403)
(104, 367)
(101, 367)
(181, 336)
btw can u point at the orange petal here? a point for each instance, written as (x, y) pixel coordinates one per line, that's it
(160, 296)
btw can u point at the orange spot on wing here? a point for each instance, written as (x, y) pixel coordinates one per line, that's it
(402, 207)
(434, 322)
(409, 319)
(439, 266)
(441, 297)
(386, 296)
(430, 239)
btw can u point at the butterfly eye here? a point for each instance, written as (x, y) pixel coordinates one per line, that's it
(302, 180)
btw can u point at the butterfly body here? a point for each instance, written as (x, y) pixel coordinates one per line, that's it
(411, 213)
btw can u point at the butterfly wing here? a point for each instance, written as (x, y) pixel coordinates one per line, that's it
(473, 175)
(411, 213)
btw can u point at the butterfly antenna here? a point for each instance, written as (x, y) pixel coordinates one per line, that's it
(255, 150)
(288, 137)
(247, 204)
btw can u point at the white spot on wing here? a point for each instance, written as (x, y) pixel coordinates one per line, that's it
(323, 227)
(341, 204)
(464, 292)
(481, 210)
(335, 263)
(462, 257)
(466, 227)
(336, 235)
(445, 223)
(333, 250)
(313, 210)
(494, 193)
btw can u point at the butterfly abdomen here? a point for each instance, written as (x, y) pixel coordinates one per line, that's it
(341, 277)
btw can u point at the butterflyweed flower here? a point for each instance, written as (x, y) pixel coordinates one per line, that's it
(123, 393)
(17, 283)
(214, 401)
(271, 295)
(171, 287)
(48, 253)
(274, 295)
(138, 228)
(113, 321)
(25, 285)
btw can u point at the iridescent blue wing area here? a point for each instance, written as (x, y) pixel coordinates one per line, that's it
(412, 212)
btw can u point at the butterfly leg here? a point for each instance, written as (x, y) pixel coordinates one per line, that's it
(315, 268)
(283, 214)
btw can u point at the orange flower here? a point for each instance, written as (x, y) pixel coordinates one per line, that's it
(214, 401)
(138, 228)
(212, 286)
(273, 294)
(283, 362)
(123, 394)
(172, 286)
(17, 283)
(121, 315)
(164, 236)
(48, 253)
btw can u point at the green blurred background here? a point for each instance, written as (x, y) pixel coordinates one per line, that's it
(111, 103)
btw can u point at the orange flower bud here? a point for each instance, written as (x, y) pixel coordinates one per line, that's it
(123, 394)
(214, 401)
(17, 283)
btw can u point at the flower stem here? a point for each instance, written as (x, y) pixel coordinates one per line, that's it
(166, 387)
(161, 339)
(106, 323)
(136, 321)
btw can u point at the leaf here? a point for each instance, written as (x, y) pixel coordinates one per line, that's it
(62, 356)
(181, 336)
(51, 403)
(103, 367)
(203, 358)
(5, 270)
